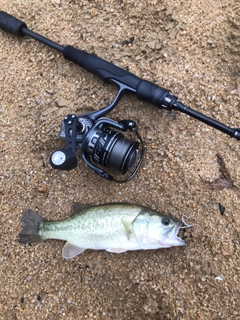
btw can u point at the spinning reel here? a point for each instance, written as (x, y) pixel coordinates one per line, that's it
(99, 143)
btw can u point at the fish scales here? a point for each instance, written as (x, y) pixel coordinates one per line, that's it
(115, 227)
(96, 228)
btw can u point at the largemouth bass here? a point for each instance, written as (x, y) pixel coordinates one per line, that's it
(115, 227)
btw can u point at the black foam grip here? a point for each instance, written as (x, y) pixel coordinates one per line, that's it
(145, 90)
(11, 24)
(150, 92)
(101, 68)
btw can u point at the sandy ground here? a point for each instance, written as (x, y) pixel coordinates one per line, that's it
(190, 47)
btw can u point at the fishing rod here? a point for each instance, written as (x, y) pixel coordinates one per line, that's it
(86, 132)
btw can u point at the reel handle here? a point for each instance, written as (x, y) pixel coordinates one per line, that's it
(66, 159)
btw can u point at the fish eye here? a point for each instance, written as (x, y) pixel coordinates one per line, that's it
(166, 221)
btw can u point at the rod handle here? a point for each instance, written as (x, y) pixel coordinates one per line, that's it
(107, 71)
(103, 69)
(10, 24)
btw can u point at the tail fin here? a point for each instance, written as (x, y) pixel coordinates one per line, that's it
(31, 223)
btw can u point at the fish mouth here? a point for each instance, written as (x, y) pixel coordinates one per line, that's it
(174, 233)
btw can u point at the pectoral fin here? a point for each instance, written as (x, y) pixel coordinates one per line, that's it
(128, 227)
(70, 251)
(116, 250)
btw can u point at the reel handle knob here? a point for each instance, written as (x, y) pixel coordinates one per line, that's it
(63, 159)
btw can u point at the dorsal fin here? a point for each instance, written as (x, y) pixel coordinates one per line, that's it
(78, 206)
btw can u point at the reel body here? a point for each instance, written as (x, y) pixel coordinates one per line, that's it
(100, 143)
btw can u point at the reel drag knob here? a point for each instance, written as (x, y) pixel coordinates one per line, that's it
(63, 159)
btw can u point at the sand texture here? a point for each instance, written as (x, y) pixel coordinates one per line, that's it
(189, 47)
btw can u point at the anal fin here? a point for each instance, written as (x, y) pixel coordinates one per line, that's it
(70, 251)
